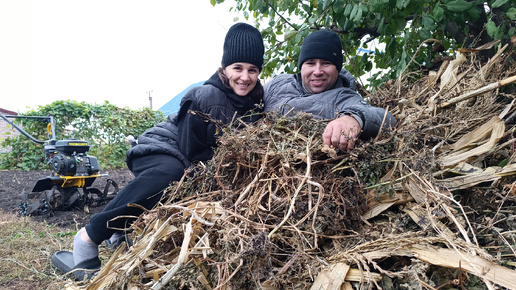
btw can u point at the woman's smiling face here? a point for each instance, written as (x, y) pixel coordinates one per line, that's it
(242, 77)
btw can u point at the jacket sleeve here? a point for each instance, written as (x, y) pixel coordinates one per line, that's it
(372, 117)
(196, 136)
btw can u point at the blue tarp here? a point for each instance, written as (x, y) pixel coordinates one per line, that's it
(172, 106)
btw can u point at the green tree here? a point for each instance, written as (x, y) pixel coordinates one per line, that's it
(404, 28)
(104, 126)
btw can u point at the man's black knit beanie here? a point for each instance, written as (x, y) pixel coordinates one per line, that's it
(243, 43)
(322, 44)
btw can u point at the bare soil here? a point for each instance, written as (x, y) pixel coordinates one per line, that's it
(13, 183)
(36, 272)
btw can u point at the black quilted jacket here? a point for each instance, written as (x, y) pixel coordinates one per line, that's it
(190, 137)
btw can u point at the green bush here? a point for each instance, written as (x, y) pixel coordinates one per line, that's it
(104, 126)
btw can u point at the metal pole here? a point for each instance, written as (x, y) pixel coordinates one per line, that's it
(150, 99)
(50, 118)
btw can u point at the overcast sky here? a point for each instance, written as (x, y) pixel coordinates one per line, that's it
(115, 50)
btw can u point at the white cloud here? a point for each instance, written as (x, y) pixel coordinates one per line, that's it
(115, 50)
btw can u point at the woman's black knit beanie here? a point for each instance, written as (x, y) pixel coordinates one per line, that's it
(322, 44)
(243, 43)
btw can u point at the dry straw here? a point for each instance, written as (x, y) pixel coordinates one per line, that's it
(275, 209)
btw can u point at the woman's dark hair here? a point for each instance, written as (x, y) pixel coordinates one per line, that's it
(255, 94)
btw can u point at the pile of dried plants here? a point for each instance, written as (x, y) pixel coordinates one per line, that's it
(428, 205)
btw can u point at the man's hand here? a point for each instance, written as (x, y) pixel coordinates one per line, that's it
(342, 133)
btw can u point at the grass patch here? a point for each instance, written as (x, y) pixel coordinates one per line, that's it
(25, 250)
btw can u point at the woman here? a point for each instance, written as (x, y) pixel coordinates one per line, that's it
(166, 150)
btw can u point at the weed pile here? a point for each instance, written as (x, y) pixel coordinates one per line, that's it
(428, 204)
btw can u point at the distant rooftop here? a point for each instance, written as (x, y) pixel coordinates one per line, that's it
(7, 112)
(172, 106)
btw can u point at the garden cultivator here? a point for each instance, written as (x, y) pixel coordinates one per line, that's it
(73, 172)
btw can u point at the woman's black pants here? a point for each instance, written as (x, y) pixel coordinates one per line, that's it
(153, 174)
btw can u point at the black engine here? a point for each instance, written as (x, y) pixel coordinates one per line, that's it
(70, 158)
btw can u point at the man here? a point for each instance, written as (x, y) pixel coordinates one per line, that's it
(321, 90)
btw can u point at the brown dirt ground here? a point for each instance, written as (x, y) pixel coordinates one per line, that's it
(14, 182)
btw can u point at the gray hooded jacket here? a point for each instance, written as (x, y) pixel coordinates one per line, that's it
(285, 93)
